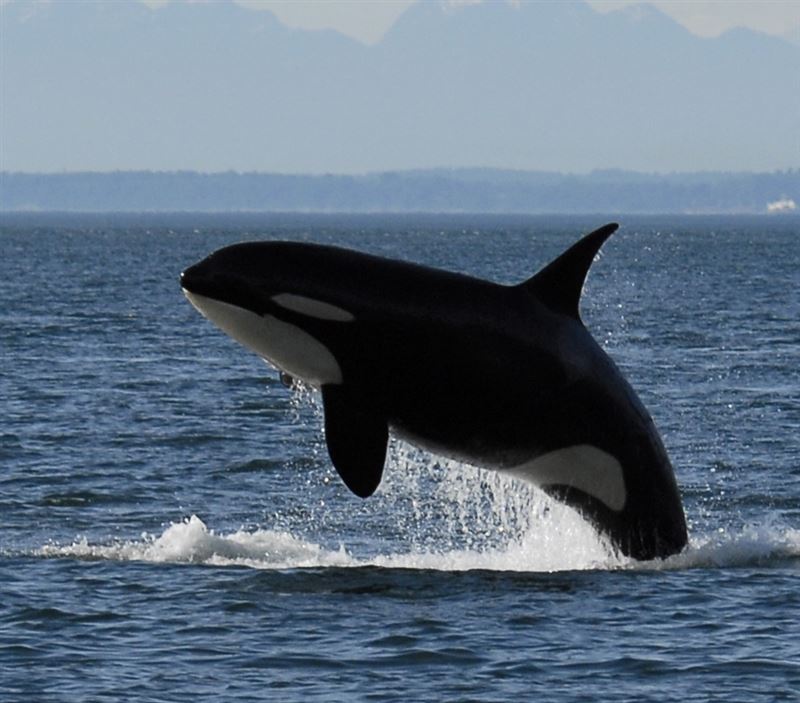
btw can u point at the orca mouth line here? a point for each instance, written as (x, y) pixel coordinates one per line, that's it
(229, 290)
(222, 289)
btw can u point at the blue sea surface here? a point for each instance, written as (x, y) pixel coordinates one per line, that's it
(171, 528)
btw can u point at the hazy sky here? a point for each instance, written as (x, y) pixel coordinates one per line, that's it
(368, 20)
(72, 101)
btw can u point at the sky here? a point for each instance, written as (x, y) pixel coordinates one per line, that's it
(368, 20)
(658, 101)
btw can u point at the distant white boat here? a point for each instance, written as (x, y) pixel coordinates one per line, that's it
(782, 205)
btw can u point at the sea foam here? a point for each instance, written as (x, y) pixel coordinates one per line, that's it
(191, 541)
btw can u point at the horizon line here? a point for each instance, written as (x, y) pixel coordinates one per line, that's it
(420, 170)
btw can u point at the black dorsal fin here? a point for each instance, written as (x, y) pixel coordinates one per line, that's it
(559, 284)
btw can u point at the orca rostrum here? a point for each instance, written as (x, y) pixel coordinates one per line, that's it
(501, 377)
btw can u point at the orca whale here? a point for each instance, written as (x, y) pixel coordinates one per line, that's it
(497, 376)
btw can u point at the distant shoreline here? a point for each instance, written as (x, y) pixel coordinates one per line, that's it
(389, 221)
(436, 191)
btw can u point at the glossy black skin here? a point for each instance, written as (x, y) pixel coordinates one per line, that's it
(484, 373)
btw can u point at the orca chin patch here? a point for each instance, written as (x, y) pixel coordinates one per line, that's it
(311, 307)
(583, 467)
(291, 349)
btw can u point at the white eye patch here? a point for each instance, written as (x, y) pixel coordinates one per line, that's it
(312, 307)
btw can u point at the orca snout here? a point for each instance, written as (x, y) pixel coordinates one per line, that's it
(188, 279)
(201, 280)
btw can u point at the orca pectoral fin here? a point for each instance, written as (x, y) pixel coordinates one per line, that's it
(356, 440)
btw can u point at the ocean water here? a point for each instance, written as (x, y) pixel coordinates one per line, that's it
(171, 528)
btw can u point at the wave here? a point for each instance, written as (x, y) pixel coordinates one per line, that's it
(191, 541)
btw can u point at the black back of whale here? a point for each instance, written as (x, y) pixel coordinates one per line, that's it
(489, 374)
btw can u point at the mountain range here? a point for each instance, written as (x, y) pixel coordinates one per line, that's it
(103, 86)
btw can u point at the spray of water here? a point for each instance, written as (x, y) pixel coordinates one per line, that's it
(449, 517)
(444, 516)
(191, 541)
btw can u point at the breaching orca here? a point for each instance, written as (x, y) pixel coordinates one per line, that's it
(502, 377)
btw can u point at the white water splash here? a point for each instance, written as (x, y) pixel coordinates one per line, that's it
(461, 517)
(191, 541)
(449, 517)
(452, 517)
(751, 545)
